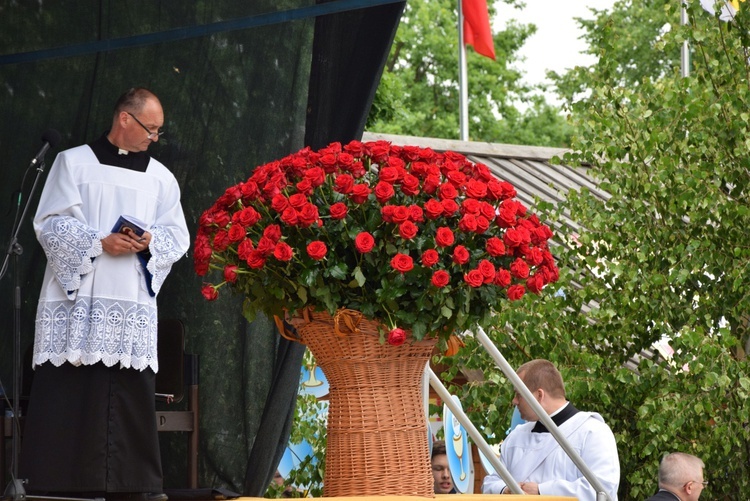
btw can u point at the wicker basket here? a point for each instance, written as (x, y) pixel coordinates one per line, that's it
(377, 428)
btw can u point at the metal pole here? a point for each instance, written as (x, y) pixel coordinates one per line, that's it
(463, 92)
(685, 50)
(521, 388)
(445, 396)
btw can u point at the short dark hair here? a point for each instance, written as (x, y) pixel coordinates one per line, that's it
(133, 100)
(438, 448)
(542, 374)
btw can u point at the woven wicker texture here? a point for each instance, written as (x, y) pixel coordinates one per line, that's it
(377, 428)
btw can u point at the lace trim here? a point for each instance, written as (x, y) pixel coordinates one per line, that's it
(87, 332)
(164, 253)
(70, 246)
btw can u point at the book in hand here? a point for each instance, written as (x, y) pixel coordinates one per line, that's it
(135, 224)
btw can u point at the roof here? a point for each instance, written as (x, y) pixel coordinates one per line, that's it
(528, 168)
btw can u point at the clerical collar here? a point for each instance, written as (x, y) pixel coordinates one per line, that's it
(109, 154)
(559, 417)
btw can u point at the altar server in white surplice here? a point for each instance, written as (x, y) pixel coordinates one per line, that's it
(535, 459)
(91, 427)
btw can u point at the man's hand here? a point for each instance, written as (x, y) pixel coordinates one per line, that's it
(530, 488)
(126, 242)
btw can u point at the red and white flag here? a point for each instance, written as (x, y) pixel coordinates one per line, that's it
(477, 31)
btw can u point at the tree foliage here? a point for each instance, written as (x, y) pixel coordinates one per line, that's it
(663, 255)
(418, 94)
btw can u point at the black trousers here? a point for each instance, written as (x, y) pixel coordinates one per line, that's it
(91, 429)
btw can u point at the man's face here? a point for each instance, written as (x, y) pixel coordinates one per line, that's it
(527, 414)
(696, 487)
(151, 119)
(442, 474)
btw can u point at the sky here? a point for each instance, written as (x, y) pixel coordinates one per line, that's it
(555, 45)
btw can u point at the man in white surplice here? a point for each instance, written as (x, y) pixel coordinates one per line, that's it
(90, 426)
(535, 459)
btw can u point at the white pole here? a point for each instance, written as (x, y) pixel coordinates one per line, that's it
(463, 93)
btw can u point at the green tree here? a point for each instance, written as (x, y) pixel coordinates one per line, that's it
(418, 92)
(663, 255)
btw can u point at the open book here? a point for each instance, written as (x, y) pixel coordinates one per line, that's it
(131, 222)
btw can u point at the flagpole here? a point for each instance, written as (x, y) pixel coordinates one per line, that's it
(685, 52)
(463, 93)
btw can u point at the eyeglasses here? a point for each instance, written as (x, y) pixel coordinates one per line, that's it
(704, 482)
(151, 135)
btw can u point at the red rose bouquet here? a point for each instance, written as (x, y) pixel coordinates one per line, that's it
(421, 241)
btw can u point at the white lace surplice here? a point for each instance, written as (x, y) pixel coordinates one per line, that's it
(95, 307)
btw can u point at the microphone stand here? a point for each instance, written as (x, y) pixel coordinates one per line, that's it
(15, 490)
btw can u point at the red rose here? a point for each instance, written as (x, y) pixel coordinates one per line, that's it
(402, 263)
(460, 255)
(273, 231)
(470, 206)
(250, 191)
(400, 214)
(441, 278)
(344, 184)
(221, 240)
(431, 184)
(476, 189)
(416, 214)
(230, 273)
(483, 224)
(450, 207)
(298, 200)
(201, 267)
(534, 256)
(474, 278)
(447, 191)
(289, 216)
(221, 218)
(519, 268)
(356, 148)
(359, 193)
(487, 210)
(384, 192)
(535, 283)
(209, 292)
(305, 187)
(397, 337)
(502, 278)
(468, 223)
(364, 242)
(516, 237)
(389, 174)
(456, 177)
(410, 185)
(248, 216)
(506, 218)
(338, 210)
(387, 213)
(283, 252)
(317, 250)
(430, 257)
(516, 292)
(256, 259)
(279, 202)
(316, 175)
(444, 237)
(345, 160)
(266, 246)
(244, 248)
(236, 233)
(495, 247)
(433, 208)
(308, 215)
(407, 230)
(487, 269)
(328, 161)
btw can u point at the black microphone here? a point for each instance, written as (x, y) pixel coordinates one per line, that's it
(50, 137)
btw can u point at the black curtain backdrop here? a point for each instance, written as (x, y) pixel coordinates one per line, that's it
(242, 83)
